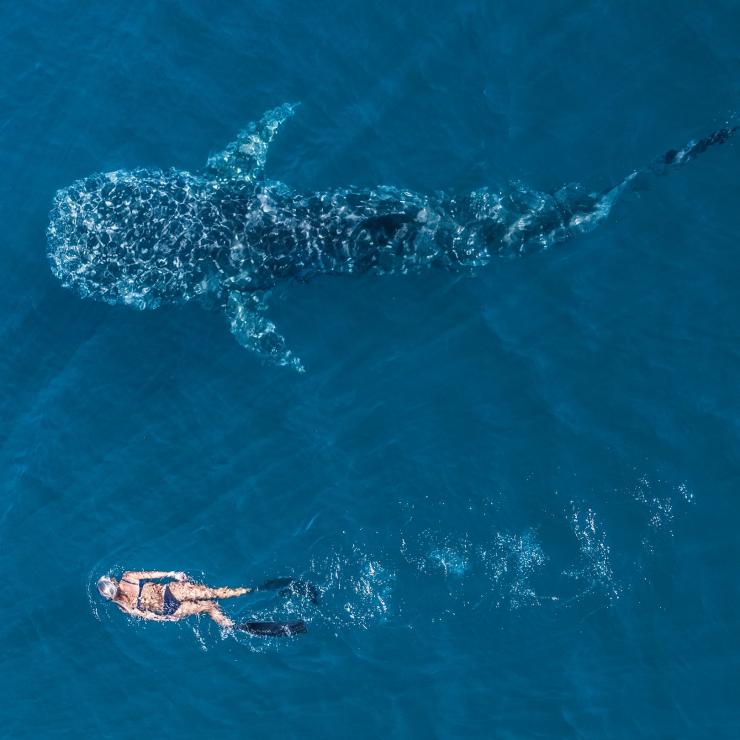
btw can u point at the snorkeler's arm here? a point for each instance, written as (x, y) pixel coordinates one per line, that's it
(142, 614)
(136, 575)
(153, 617)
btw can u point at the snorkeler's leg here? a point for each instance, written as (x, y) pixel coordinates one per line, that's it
(215, 613)
(211, 608)
(187, 591)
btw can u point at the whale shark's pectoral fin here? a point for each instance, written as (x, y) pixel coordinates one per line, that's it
(256, 332)
(244, 159)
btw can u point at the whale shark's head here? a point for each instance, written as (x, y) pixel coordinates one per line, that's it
(133, 237)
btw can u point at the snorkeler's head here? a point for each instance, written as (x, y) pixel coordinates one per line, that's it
(108, 587)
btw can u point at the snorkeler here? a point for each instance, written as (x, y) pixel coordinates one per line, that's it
(168, 596)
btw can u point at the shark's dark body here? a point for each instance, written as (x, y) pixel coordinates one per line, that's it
(149, 237)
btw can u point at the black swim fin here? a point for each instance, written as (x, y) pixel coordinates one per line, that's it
(291, 587)
(273, 629)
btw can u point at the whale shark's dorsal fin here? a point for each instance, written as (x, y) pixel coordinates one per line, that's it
(244, 159)
(253, 330)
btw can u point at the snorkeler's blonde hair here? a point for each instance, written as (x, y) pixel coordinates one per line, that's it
(107, 587)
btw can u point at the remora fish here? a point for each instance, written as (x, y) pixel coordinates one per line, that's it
(145, 238)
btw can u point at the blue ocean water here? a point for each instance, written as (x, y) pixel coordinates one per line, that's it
(517, 491)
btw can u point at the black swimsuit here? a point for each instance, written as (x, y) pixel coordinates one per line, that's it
(170, 603)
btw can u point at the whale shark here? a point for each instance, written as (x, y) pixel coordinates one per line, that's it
(226, 235)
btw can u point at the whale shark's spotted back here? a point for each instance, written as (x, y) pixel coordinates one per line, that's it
(149, 237)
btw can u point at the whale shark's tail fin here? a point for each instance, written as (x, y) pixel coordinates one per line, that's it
(524, 221)
(693, 149)
(582, 212)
